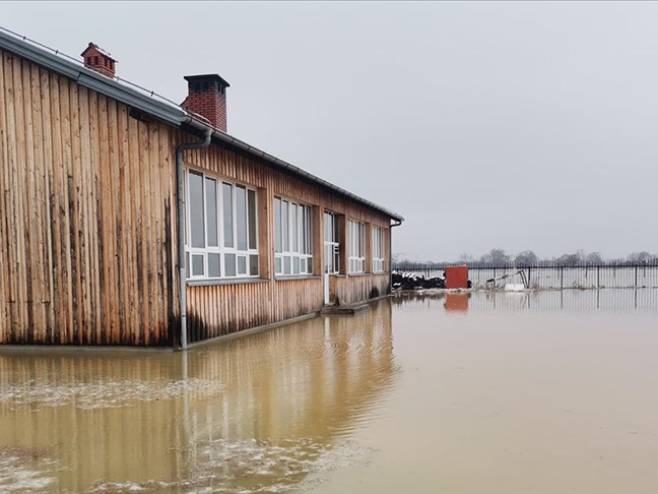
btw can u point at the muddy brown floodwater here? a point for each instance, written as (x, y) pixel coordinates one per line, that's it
(551, 392)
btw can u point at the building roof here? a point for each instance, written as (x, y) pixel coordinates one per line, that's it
(156, 105)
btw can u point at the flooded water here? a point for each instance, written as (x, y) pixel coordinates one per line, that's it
(548, 392)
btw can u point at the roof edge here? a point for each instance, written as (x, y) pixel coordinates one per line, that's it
(162, 109)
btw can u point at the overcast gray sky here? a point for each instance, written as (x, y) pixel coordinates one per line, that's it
(512, 125)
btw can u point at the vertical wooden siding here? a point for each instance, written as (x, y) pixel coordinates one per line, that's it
(223, 309)
(86, 237)
(353, 289)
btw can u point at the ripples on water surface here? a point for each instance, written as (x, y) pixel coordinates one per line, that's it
(499, 393)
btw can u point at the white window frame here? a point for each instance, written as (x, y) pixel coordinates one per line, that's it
(378, 249)
(220, 249)
(331, 243)
(301, 256)
(356, 239)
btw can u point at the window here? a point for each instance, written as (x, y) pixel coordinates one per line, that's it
(357, 246)
(377, 250)
(293, 239)
(331, 244)
(222, 231)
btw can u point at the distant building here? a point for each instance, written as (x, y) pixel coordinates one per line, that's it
(89, 214)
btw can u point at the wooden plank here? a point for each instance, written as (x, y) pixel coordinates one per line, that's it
(94, 226)
(113, 219)
(48, 198)
(68, 252)
(128, 225)
(20, 190)
(4, 206)
(58, 276)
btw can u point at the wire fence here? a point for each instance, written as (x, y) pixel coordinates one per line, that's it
(548, 276)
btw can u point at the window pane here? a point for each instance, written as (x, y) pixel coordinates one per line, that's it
(300, 227)
(302, 265)
(187, 264)
(197, 265)
(277, 224)
(327, 227)
(309, 232)
(309, 265)
(362, 230)
(359, 238)
(241, 216)
(242, 264)
(278, 266)
(252, 219)
(362, 240)
(211, 212)
(227, 191)
(253, 265)
(229, 264)
(350, 240)
(293, 227)
(284, 224)
(295, 265)
(196, 209)
(214, 269)
(286, 265)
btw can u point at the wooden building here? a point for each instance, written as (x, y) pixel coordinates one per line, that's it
(97, 180)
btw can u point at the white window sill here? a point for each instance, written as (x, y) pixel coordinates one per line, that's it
(292, 277)
(224, 281)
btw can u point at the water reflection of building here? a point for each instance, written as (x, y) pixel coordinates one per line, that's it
(248, 414)
(456, 302)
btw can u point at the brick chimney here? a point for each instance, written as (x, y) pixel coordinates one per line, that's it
(206, 96)
(99, 60)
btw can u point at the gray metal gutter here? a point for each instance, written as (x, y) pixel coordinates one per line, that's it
(160, 109)
(180, 194)
(93, 80)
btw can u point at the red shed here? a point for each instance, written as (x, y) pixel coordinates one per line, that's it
(456, 277)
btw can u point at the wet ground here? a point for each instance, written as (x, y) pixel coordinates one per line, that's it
(548, 392)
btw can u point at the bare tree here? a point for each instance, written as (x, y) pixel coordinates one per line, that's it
(571, 259)
(495, 257)
(641, 257)
(466, 258)
(526, 258)
(594, 258)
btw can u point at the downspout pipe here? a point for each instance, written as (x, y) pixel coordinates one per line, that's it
(390, 254)
(180, 194)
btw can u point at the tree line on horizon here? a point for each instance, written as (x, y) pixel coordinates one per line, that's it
(527, 258)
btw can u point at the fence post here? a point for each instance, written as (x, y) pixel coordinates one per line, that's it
(635, 276)
(598, 277)
(561, 277)
(529, 268)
